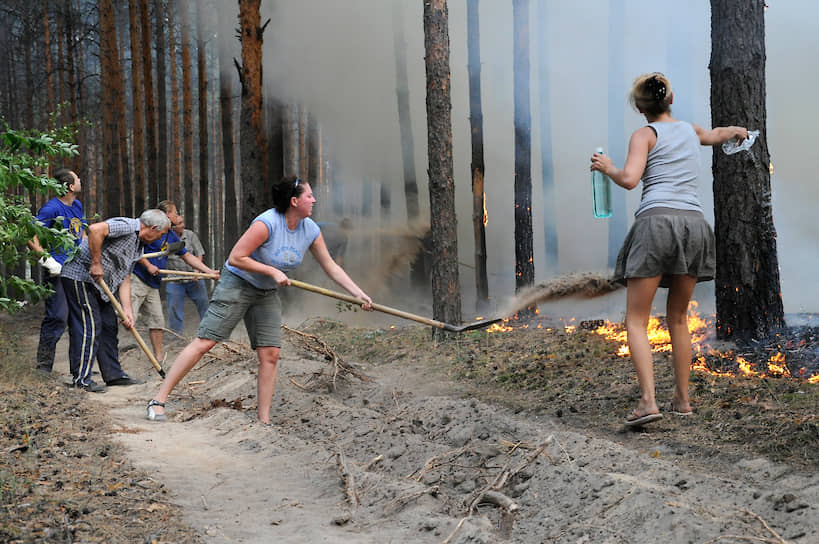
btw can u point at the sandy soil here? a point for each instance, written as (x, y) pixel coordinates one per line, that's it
(407, 456)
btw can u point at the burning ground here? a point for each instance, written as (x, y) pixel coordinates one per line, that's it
(519, 426)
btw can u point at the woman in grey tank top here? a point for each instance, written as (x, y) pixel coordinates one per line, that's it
(670, 244)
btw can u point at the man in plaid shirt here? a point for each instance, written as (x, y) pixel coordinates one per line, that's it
(109, 252)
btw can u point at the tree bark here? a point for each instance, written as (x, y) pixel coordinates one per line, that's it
(203, 227)
(137, 108)
(252, 138)
(187, 111)
(50, 86)
(473, 38)
(161, 102)
(446, 289)
(110, 80)
(150, 105)
(175, 158)
(749, 302)
(231, 223)
(524, 256)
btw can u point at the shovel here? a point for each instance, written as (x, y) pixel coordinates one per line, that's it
(137, 337)
(172, 248)
(395, 312)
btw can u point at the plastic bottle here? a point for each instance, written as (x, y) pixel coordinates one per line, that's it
(601, 192)
(731, 146)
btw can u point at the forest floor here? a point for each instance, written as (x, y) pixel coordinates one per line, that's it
(512, 436)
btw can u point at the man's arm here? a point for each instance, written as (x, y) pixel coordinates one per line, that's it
(196, 262)
(96, 234)
(125, 301)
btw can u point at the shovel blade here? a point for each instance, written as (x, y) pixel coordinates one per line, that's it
(472, 326)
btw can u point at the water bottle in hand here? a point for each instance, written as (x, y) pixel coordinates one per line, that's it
(732, 146)
(601, 192)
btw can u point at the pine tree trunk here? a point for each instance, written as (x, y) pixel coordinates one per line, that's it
(231, 222)
(175, 158)
(252, 140)
(446, 289)
(109, 83)
(50, 105)
(477, 164)
(187, 112)
(749, 302)
(275, 140)
(524, 257)
(150, 105)
(138, 110)
(313, 156)
(161, 102)
(203, 228)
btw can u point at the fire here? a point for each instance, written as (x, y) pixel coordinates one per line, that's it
(499, 327)
(776, 366)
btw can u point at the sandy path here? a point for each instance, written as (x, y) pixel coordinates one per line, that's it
(241, 482)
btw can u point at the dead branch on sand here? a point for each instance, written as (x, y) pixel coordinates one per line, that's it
(347, 478)
(313, 343)
(437, 461)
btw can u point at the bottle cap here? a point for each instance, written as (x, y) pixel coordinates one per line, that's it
(599, 150)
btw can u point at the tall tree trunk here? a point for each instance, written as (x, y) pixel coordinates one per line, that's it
(524, 257)
(304, 157)
(446, 289)
(618, 224)
(275, 138)
(749, 301)
(291, 139)
(175, 159)
(150, 105)
(110, 80)
(404, 122)
(473, 38)
(252, 139)
(202, 77)
(546, 159)
(313, 155)
(126, 185)
(50, 85)
(140, 203)
(161, 102)
(61, 64)
(231, 223)
(187, 111)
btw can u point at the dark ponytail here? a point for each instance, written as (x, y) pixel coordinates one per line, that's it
(284, 190)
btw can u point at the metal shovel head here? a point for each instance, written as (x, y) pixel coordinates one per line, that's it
(173, 247)
(472, 326)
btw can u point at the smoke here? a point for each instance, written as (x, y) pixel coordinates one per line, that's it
(337, 60)
(586, 285)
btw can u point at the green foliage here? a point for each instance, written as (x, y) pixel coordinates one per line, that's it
(23, 155)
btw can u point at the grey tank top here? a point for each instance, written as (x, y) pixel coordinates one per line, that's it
(670, 177)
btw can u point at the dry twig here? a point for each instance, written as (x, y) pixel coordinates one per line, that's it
(347, 478)
(313, 343)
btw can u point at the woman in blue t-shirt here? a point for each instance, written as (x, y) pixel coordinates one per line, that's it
(275, 244)
(670, 244)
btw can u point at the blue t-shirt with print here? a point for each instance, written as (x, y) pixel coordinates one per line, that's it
(284, 248)
(55, 213)
(160, 262)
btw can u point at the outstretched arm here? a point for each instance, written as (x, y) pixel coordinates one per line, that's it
(718, 135)
(319, 250)
(638, 147)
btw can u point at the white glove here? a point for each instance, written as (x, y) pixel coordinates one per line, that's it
(50, 263)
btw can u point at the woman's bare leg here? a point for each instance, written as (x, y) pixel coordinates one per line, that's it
(183, 364)
(266, 384)
(639, 297)
(679, 295)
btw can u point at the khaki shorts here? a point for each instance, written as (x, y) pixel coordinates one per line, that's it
(235, 299)
(147, 298)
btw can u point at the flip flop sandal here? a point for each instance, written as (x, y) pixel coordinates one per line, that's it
(636, 420)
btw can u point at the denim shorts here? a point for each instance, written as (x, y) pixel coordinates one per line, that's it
(234, 299)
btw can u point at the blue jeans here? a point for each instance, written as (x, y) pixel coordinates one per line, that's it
(176, 293)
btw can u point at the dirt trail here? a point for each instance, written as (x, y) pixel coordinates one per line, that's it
(417, 452)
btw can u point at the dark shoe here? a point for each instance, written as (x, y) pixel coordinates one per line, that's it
(92, 387)
(43, 369)
(153, 416)
(125, 380)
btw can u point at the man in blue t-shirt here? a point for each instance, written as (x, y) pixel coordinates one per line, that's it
(66, 212)
(145, 279)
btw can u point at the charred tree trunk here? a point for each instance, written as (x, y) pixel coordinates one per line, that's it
(202, 78)
(161, 102)
(749, 302)
(446, 289)
(187, 111)
(110, 80)
(231, 222)
(473, 38)
(275, 139)
(252, 139)
(150, 105)
(524, 257)
(138, 110)
(546, 159)
(313, 154)
(175, 159)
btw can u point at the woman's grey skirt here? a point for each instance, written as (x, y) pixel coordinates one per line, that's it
(667, 242)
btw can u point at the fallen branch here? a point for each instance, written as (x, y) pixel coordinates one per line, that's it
(455, 530)
(437, 461)
(499, 499)
(313, 343)
(779, 539)
(347, 478)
